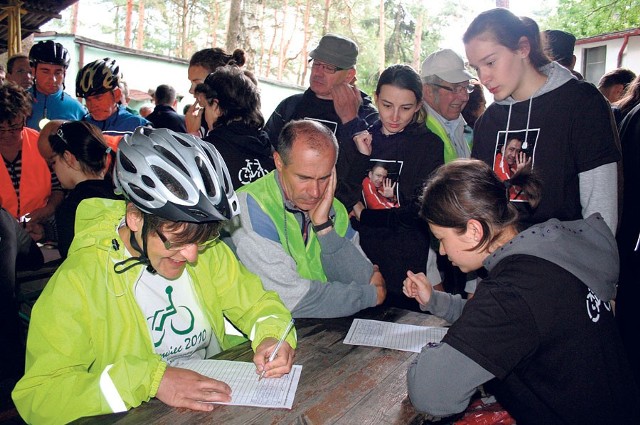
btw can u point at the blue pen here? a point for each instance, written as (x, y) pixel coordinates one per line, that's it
(275, 350)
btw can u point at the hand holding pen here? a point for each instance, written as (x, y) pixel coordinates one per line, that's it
(281, 355)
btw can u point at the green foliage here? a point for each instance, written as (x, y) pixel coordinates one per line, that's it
(586, 18)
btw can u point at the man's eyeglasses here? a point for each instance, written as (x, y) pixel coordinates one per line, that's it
(329, 69)
(456, 89)
(171, 246)
(13, 129)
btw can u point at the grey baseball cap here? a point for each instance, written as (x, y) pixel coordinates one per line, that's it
(336, 50)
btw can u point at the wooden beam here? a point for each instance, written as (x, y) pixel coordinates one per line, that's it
(51, 15)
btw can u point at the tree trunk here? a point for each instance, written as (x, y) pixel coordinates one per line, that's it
(381, 39)
(116, 24)
(325, 19)
(285, 8)
(235, 24)
(140, 37)
(127, 24)
(305, 45)
(214, 25)
(417, 42)
(185, 32)
(261, 21)
(273, 42)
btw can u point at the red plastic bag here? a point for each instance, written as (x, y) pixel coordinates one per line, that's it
(485, 411)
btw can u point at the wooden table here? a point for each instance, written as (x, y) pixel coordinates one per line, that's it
(340, 384)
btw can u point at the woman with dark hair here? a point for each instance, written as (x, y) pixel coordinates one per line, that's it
(474, 108)
(234, 123)
(202, 63)
(395, 238)
(476, 104)
(80, 157)
(631, 98)
(566, 122)
(539, 332)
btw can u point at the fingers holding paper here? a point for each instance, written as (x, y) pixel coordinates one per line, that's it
(281, 363)
(186, 388)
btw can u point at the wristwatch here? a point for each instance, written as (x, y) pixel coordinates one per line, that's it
(322, 226)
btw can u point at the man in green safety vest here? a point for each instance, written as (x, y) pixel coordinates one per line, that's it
(296, 235)
(446, 88)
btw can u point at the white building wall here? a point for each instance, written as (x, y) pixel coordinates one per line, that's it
(630, 57)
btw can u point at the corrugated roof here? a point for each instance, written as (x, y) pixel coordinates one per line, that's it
(36, 13)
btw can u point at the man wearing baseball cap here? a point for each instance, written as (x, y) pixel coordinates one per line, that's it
(333, 100)
(445, 89)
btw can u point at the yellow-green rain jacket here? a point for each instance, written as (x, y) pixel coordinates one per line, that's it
(89, 351)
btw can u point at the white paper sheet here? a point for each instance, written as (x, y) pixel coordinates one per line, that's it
(245, 387)
(397, 336)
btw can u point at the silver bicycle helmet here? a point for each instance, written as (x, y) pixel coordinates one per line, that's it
(175, 176)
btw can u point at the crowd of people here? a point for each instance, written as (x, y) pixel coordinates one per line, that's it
(514, 222)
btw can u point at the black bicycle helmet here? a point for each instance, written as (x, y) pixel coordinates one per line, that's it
(175, 176)
(49, 52)
(97, 77)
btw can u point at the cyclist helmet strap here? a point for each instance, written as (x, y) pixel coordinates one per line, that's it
(142, 259)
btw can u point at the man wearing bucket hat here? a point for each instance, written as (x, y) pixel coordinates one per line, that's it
(446, 88)
(334, 100)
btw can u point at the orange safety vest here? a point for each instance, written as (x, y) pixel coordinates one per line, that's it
(35, 179)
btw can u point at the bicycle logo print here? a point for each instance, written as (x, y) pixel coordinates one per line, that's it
(159, 319)
(251, 171)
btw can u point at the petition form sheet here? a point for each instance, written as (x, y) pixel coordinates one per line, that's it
(246, 390)
(396, 336)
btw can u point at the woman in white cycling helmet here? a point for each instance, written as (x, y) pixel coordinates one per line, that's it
(145, 290)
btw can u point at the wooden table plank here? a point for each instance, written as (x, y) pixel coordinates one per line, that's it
(340, 383)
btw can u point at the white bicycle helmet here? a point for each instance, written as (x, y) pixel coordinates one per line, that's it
(175, 176)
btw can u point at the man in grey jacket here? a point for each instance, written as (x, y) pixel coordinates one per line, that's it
(296, 236)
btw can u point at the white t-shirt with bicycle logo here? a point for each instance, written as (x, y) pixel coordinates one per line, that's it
(178, 327)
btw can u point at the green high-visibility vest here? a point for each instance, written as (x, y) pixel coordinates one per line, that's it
(434, 125)
(267, 194)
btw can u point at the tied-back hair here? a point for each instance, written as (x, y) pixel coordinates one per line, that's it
(213, 58)
(237, 95)
(468, 189)
(86, 143)
(507, 29)
(404, 77)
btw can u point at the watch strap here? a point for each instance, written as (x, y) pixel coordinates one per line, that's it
(322, 226)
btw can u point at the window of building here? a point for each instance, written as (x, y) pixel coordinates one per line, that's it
(594, 63)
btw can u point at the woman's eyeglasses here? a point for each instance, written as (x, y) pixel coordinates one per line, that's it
(171, 246)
